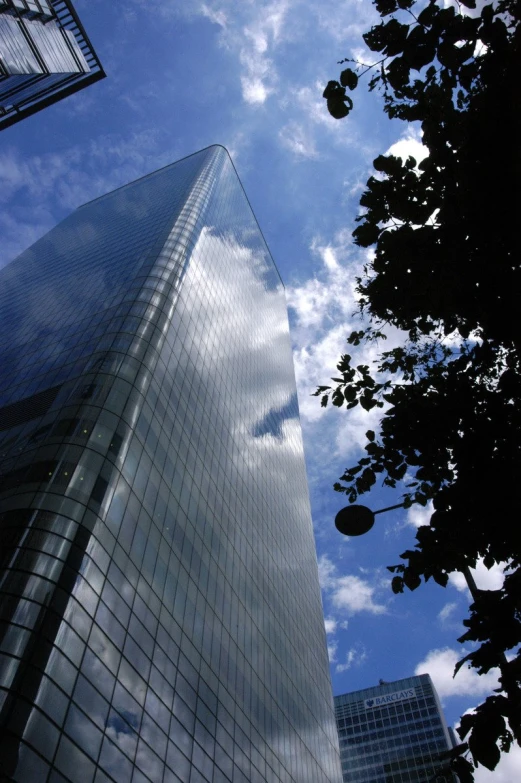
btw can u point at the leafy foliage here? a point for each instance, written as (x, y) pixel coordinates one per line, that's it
(446, 271)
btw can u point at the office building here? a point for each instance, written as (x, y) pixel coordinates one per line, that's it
(393, 733)
(160, 608)
(45, 54)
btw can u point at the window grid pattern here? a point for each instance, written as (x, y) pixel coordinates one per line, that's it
(159, 543)
(396, 742)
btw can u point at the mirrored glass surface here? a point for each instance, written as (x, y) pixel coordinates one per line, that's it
(153, 496)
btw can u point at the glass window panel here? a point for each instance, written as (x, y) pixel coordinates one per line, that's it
(83, 732)
(148, 762)
(73, 762)
(61, 670)
(178, 761)
(114, 762)
(41, 734)
(90, 700)
(52, 700)
(105, 650)
(30, 766)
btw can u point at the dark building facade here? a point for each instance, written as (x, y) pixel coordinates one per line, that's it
(160, 611)
(45, 54)
(393, 733)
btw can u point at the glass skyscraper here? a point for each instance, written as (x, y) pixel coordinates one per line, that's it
(393, 733)
(160, 615)
(45, 54)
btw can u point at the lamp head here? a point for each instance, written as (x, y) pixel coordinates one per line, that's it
(354, 520)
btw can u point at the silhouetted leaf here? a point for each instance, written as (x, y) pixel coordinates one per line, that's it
(366, 234)
(348, 78)
(397, 584)
(337, 108)
(385, 7)
(394, 35)
(337, 398)
(441, 578)
(411, 580)
(463, 769)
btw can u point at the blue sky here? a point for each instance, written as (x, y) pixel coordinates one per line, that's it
(250, 75)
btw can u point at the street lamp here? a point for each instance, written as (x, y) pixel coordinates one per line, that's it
(357, 520)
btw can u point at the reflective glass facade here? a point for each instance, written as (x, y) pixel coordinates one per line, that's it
(392, 733)
(44, 55)
(160, 611)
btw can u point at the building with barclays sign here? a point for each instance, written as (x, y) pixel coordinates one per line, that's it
(394, 732)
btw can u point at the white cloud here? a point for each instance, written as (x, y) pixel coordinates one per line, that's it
(350, 437)
(420, 515)
(440, 665)
(330, 625)
(332, 649)
(349, 593)
(507, 771)
(253, 88)
(355, 656)
(326, 572)
(355, 594)
(314, 364)
(322, 316)
(410, 144)
(323, 312)
(321, 300)
(486, 579)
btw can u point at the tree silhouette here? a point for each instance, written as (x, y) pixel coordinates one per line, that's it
(447, 271)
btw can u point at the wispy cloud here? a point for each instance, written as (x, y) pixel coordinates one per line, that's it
(65, 180)
(215, 15)
(298, 140)
(355, 656)
(445, 615)
(319, 129)
(251, 33)
(322, 310)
